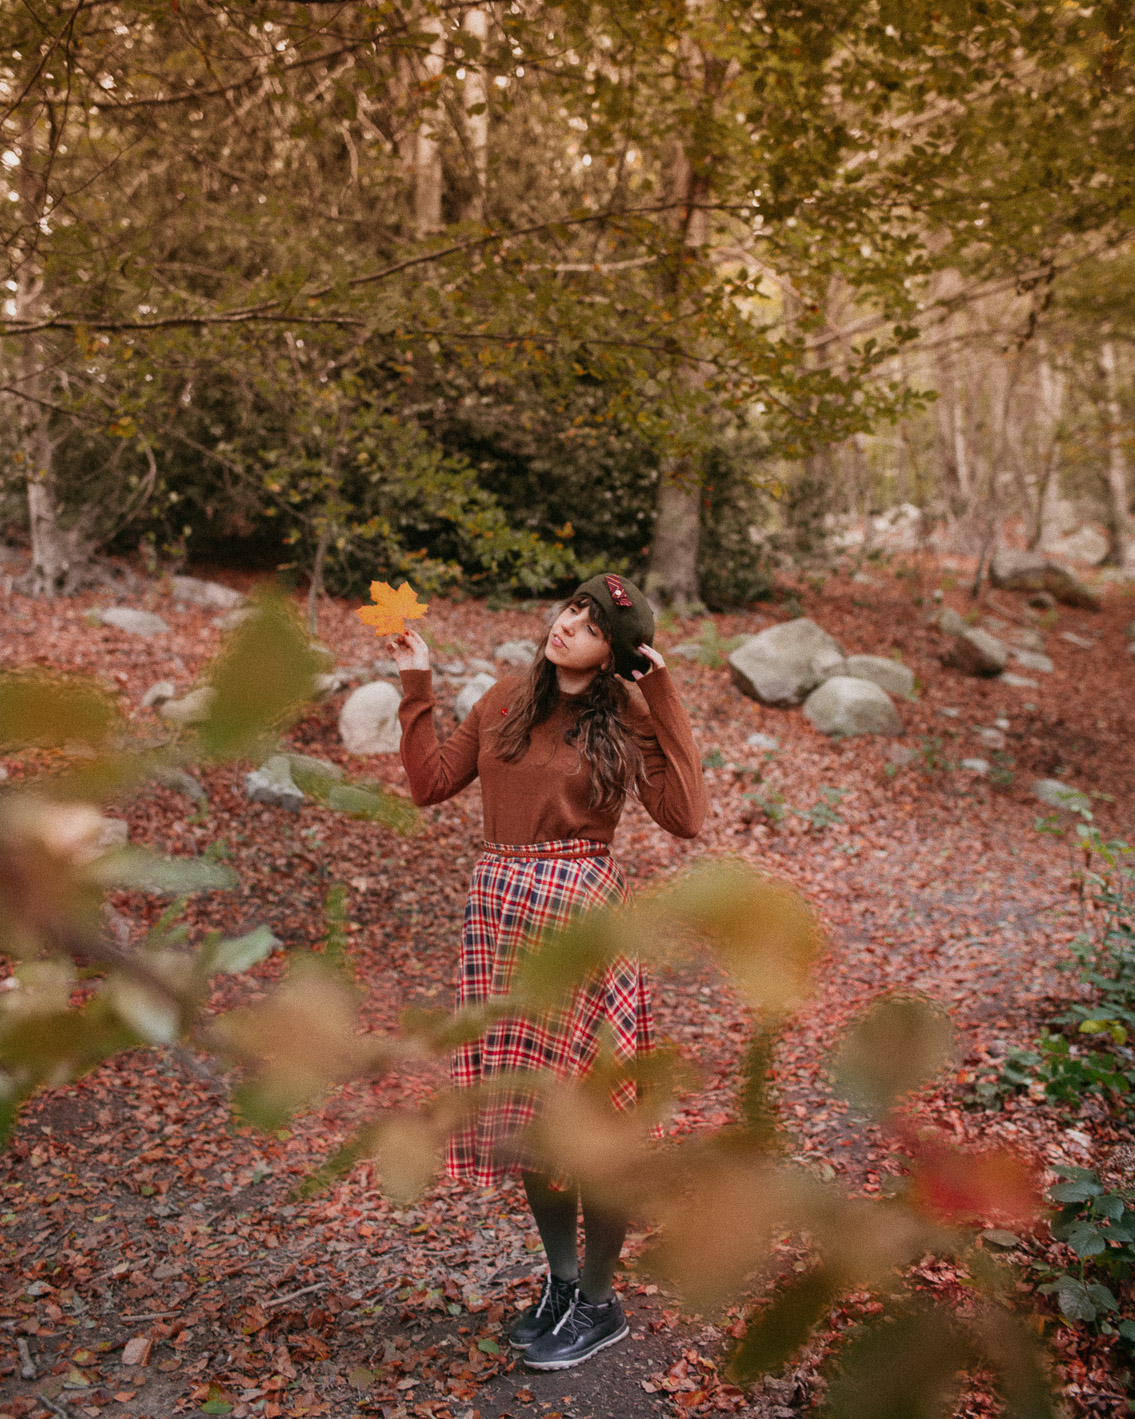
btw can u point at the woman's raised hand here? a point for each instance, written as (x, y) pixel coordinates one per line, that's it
(409, 651)
(656, 661)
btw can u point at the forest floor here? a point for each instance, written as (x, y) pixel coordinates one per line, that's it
(141, 1224)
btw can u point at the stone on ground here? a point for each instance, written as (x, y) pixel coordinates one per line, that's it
(113, 833)
(976, 652)
(1061, 795)
(368, 721)
(158, 694)
(132, 621)
(890, 675)
(1042, 601)
(1020, 682)
(779, 666)
(180, 782)
(951, 622)
(845, 705)
(1032, 660)
(991, 738)
(301, 764)
(272, 783)
(1080, 642)
(1014, 570)
(471, 693)
(236, 617)
(190, 709)
(764, 742)
(212, 595)
(976, 766)
(1088, 544)
(515, 652)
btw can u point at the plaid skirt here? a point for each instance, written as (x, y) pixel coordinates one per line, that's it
(516, 893)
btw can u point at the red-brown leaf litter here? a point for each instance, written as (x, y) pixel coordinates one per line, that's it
(158, 1260)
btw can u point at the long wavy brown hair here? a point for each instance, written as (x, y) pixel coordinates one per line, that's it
(609, 746)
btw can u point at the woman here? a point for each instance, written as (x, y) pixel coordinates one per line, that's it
(557, 751)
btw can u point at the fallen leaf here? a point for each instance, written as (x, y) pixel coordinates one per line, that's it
(137, 1350)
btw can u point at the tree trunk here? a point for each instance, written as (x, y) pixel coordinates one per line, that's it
(1119, 503)
(61, 556)
(1051, 387)
(427, 149)
(476, 96)
(673, 574)
(315, 589)
(673, 568)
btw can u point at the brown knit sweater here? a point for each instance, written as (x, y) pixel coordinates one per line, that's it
(543, 795)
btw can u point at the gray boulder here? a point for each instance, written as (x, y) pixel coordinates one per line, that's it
(976, 766)
(368, 721)
(134, 623)
(272, 783)
(515, 652)
(976, 652)
(991, 738)
(190, 709)
(764, 742)
(211, 595)
(1032, 660)
(471, 693)
(180, 782)
(1015, 570)
(845, 705)
(779, 666)
(158, 694)
(234, 618)
(1021, 682)
(1028, 638)
(308, 766)
(951, 622)
(1061, 795)
(1080, 642)
(890, 675)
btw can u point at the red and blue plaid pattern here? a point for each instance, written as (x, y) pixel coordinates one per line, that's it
(518, 892)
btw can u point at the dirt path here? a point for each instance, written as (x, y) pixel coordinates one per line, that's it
(133, 1210)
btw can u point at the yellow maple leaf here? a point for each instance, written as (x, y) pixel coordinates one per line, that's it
(391, 609)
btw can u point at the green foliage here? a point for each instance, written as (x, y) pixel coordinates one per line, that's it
(1063, 1067)
(896, 1046)
(1099, 1228)
(713, 648)
(824, 813)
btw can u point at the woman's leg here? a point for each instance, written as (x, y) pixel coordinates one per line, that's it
(604, 1232)
(556, 1214)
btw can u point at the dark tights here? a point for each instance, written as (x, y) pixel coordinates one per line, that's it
(604, 1231)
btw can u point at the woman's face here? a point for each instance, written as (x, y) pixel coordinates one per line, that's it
(575, 642)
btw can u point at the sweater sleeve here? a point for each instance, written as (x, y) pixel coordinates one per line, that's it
(435, 772)
(672, 788)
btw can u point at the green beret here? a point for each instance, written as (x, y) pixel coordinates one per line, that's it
(630, 617)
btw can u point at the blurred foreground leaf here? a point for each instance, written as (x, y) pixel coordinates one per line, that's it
(237, 953)
(295, 1043)
(896, 1045)
(52, 711)
(262, 679)
(142, 871)
(762, 930)
(783, 1325)
(377, 804)
(908, 1366)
